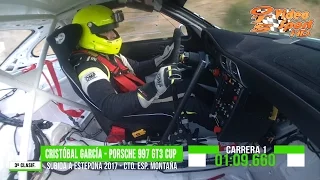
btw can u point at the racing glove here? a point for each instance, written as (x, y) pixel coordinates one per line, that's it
(166, 76)
(167, 56)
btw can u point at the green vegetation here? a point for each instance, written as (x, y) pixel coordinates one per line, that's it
(238, 17)
(273, 2)
(315, 2)
(235, 15)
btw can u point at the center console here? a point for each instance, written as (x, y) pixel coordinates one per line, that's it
(240, 115)
(228, 97)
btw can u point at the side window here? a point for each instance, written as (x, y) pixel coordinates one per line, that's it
(10, 40)
(37, 50)
(141, 25)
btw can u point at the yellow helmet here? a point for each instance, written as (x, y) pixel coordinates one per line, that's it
(97, 19)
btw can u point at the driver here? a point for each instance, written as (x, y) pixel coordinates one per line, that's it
(111, 80)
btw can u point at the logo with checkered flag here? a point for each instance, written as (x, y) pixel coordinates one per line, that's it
(269, 19)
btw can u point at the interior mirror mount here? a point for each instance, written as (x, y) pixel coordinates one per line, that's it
(183, 30)
(145, 5)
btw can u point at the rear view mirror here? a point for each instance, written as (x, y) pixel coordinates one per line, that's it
(183, 30)
(144, 5)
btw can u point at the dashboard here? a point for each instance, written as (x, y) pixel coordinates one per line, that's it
(240, 114)
(258, 73)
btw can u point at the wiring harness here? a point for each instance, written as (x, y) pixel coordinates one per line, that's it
(38, 137)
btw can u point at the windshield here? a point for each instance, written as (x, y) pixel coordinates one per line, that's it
(299, 18)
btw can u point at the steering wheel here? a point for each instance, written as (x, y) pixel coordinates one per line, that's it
(177, 43)
(176, 51)
(175, 61)
(178, 106)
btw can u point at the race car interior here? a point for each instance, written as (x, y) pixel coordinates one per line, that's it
(245, 107)
(263, 90)
(255, 75)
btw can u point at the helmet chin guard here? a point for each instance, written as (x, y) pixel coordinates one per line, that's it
(106, 46)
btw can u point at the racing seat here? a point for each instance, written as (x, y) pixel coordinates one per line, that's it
(63, 42)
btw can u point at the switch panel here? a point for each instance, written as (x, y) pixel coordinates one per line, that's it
(240, 115)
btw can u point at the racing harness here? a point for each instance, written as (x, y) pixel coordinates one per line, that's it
(123, 77)
(126, 81)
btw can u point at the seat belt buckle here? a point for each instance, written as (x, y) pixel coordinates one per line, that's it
(117, 72)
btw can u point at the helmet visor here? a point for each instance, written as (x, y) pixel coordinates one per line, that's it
(110, 35)
(102, 29)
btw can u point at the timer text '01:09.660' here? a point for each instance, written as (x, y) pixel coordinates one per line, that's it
(245, 160)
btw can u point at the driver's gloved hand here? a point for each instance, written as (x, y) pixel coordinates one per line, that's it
(165, 77)
(167, 56)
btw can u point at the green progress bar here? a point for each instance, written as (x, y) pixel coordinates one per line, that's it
(203, 149)
(288, 149)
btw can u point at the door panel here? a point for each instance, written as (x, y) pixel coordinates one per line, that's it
(148, 49)
(145, 34)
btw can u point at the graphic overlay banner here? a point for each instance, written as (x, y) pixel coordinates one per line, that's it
(112, 153)
(245, 156)
(290, 21)
(197, 156)
(295, 155)
(26, 166)
(158, 157)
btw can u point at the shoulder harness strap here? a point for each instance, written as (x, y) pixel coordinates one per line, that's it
(124, 78)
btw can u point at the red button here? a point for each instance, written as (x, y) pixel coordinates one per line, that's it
(217, 129)
(235, 98)
(216, 72)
